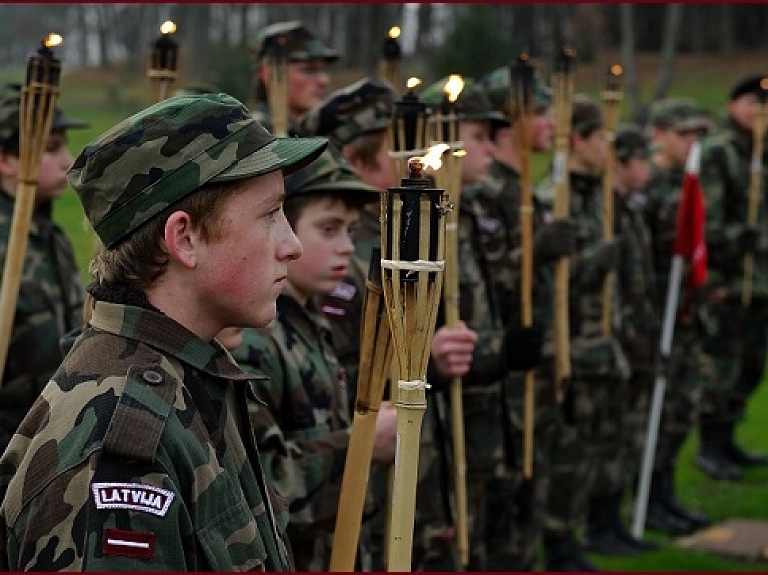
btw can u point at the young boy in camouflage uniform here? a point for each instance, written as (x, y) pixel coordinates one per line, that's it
(515, 508)
(302, 420)
(306, 71)
(676, 124)
(586, 466)
(50, 297)
(139, 453)
(736, 348)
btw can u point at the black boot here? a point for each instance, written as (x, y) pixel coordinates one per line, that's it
(659, 518)
(738, 455)
(665, 482)
(563, 553)
(605, 533)
(713, 458)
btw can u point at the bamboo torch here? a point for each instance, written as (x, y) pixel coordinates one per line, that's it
(277, 90)
(162, 70)
(375, 361)
(37, 106)
(612, 109)
(413, 237)
(522, 96)
(446, 130)
(391, 54)
(755, 186)
(562, 84)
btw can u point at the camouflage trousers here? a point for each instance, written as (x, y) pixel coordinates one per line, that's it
(733, 360)
(516, 504)
(588, 450)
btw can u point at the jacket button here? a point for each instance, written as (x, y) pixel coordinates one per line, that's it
(152, 377)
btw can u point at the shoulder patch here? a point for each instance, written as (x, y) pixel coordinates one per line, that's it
(135, 496)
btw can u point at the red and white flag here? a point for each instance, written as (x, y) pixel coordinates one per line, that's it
(691, 220)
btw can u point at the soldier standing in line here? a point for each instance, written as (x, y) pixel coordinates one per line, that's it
(50, 301)
(736, 348)
(515, 512)
(585, 468)
(307, 76)
(676, 123)
(355, 119)
(302, 420)
(640, 319)
(139, 453)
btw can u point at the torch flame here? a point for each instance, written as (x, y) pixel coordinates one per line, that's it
(52, 39)
(412, 83)
(764, 84)
(394, 32)
(167, 27)
(432, 158)
(453, 87)
(617, 70)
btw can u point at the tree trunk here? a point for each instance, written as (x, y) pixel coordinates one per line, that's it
(668, 50)
(630, 81)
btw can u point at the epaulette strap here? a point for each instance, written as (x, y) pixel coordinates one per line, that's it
(139, 418)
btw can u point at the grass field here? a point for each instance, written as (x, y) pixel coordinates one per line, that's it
(105, 98)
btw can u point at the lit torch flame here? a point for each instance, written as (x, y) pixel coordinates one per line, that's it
(412, 83)
(52, 39)
(394, 32)
(167, 27)
(432, 159)
(617, 70)
(764, 84)
(453, 87)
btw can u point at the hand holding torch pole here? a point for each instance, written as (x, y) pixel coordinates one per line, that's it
(612, 109)
(562, 84)
(391, 55)
(38, 103)
(521, 107)
(375, 362)
(277, 90)
(413, 235)
(755, 186)
(446, 130)
(165, 54)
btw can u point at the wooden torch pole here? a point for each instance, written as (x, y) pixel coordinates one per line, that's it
(522, 95)
(375, 361)
(612, 109)
(562, 84)
(38, 103)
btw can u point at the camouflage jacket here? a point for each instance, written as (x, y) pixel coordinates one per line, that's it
(725, 173)
(50, 304)
(302, 427)
(139, 456)
(592, 353)
(636, 279)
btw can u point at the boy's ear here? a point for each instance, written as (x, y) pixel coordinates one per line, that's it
(181, 239)
(9, 165)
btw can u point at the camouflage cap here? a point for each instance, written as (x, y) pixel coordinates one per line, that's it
(10, 105)
(497, 86)
(330, 172)
(300, 44)
(586, 114)
(167, 151)
(350, 112)
(472, 105)
(679, 114)
(630, 142)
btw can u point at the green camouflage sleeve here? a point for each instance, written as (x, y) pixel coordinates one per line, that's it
(302, 444)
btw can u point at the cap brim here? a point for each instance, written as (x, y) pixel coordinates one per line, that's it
(63, 123)
(286, 154)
